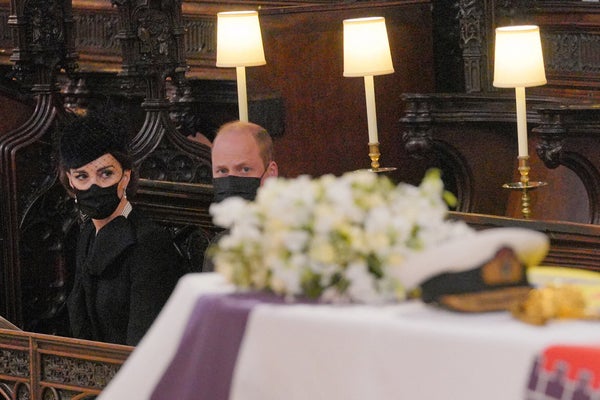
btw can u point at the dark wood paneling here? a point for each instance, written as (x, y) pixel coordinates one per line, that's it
(473, 139)
(12, 98)
(325, 113)
(571, 244)
(570, 33)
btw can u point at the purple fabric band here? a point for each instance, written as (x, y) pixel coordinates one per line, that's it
(202, 367)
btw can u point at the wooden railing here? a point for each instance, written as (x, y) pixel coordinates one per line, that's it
(35, 366)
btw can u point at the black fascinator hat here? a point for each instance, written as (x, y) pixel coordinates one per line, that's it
(89, 137)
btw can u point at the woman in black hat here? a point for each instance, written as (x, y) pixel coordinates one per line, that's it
(126, 266)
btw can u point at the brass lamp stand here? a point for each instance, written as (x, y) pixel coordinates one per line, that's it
(525, 185)
(374, 155)
(519, 63)
(367, 54)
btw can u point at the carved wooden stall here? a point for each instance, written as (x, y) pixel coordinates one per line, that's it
(25, 166)
(471, 133)
(38, 220)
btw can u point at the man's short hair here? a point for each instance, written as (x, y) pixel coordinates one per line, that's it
(262, 137)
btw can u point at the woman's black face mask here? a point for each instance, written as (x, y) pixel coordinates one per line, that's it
(98, 202)
(241, 186)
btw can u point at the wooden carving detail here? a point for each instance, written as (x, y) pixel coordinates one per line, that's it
(510, 12)
(166, 164)
(97, 30)
(417, 121)
(51, 394)
(14, 362)
(48, 229)
(5, 36)
(45, 40)
(201, 37)
(457, 177)
(418, 136)
(22, 392)
(151, 39)
(576, 54)
(473, 36)
(552, 132)
(590, 177)
(60, 368)
(6, 391)
(553, 150)
(13, 387)
(477, 20)
(561, 52)
(152, 64)
(156, 40)
(153, 51)
(78, 372)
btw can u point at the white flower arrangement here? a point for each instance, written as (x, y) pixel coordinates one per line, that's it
(334, 238)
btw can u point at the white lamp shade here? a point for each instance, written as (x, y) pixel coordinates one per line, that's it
(518, 60)
(366, 47)
(239, 41)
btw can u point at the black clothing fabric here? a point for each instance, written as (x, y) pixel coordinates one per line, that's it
(124, 276)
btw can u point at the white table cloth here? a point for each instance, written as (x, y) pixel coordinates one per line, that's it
(146, 364)
(404, 351)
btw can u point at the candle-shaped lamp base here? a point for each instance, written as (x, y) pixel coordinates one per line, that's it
(242, 95)
(374, 155)
(525, 186)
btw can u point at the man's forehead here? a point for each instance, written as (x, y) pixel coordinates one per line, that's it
(235, 159)
(235, 134)
(235, 145)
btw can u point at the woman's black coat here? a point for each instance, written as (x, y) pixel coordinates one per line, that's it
(124, 276)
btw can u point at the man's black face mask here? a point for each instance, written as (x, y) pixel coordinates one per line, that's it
(241, 186)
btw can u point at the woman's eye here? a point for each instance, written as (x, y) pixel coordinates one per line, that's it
(246, 169)
(107, 174)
